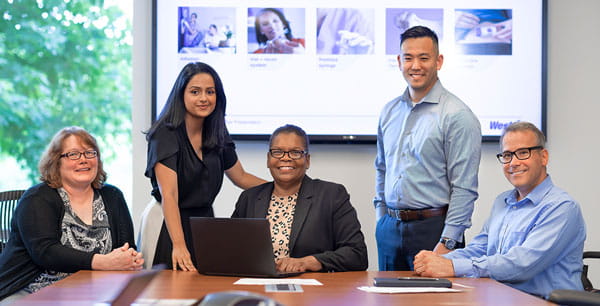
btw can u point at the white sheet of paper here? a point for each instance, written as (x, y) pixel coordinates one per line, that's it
(405, 289)
(159, 302)
(271, 281)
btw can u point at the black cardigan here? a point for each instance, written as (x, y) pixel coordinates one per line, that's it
(325, 224)
(34, 243)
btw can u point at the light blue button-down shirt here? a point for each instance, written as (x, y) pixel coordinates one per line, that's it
(534, 245)
(428, 156)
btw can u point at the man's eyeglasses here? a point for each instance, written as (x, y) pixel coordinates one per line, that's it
(75, 155)
(521, 154)
(293, 154)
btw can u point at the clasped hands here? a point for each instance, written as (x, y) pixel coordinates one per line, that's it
(430, 264)
(121, 258)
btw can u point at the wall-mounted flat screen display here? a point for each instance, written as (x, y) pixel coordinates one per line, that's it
(330, 66)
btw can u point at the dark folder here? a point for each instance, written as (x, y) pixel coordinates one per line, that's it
(411, 282)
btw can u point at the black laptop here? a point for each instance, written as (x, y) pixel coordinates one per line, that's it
(234, 247)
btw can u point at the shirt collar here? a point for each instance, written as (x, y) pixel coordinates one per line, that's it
(433, 96)
(535, 196)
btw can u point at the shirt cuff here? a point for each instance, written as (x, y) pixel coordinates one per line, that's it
(378, 203)
(462, 267)
(454, 232)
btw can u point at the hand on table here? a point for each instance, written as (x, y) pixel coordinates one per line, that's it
(182, 259)
(288, 264)
(430, 264)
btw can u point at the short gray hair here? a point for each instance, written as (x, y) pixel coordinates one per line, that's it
(525, 126)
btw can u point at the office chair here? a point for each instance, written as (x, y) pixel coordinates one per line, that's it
(587, 285)
(574, 298)
(8, 203)
(150, 226)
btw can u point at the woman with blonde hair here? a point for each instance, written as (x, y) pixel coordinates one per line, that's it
(70, 221)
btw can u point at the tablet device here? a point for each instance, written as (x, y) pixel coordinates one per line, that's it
(411, 282)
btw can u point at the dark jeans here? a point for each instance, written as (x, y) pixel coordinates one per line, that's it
(398, 242)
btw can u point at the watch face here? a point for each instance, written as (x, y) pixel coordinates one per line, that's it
(450, 244)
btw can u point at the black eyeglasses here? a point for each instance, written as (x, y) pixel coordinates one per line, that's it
(521, 154)
(293, 154)
(75, 155)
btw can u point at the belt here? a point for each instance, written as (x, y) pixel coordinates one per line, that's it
(416, 214)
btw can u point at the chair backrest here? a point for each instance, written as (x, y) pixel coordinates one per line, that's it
(587, 284)
(8, 203)
(574, 298)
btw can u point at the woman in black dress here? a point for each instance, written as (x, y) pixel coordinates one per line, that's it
(189, 149)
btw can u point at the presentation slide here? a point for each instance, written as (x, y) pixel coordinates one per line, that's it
(330, 66)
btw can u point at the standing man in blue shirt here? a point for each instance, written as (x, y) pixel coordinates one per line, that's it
(428, 152)
(533, 239)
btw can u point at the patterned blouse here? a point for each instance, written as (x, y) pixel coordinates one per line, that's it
(78, 235)
(281, 215)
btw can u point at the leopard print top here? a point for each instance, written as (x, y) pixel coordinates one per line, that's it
(280, 216)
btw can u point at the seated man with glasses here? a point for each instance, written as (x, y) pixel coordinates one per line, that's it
(533, 239)
(313, 225)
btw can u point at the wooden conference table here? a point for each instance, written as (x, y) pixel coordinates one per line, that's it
(88, 287)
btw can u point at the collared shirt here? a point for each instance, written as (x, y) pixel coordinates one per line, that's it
(428, 156)
(534, 245)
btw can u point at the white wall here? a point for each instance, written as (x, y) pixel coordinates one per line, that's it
(573, 108)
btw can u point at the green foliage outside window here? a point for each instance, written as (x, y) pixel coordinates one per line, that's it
(62, 63)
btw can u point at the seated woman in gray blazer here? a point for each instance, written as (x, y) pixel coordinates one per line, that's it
(313, 225)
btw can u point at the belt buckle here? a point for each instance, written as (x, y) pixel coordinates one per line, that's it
(403, 214)
(396, 213)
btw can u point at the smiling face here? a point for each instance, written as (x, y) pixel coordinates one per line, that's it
(419, 62)
(287, 171)
(81, 172)
(524, 174)
(200, 96)
(271, 25)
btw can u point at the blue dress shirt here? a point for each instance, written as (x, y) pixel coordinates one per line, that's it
(428, 156)
(534, 245)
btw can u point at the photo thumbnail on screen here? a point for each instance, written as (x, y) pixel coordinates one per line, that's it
(345, 31)
(484, 31)
(276, 31)
(206, 30)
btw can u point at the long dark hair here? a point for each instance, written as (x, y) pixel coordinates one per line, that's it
(261, 38)
(173, 113)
